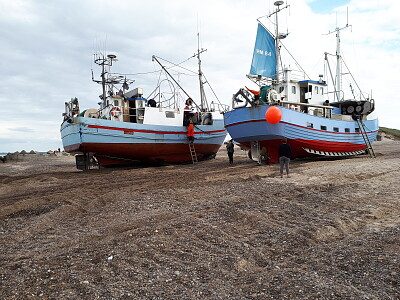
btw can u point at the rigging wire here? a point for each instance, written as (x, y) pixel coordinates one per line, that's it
(318, 63)
(354, 54)
(170, 67)
(361, 93)
(326, 76)
(334, 85)
(212, 90)
(140, 73)
(295, 60)
(179, 65)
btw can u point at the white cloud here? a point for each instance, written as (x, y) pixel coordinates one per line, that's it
(47, 46)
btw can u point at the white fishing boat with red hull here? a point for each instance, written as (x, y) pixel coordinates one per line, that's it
(129, 128)
(298, 108)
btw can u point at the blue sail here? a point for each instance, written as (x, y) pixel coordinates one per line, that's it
(264, 56)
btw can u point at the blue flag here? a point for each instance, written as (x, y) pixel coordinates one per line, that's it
(264, 56)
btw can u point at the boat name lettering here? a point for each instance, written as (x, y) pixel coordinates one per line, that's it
(262, 52)
(128, 132)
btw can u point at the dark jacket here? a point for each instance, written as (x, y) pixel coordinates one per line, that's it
(230, 147)
(285, 150)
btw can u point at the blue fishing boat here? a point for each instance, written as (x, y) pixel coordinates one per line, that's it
(129, 128)
(314, 120)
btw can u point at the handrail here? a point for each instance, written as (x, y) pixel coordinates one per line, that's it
(220, 107)
(307, 104)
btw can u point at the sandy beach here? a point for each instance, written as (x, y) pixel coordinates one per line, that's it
(204, 231)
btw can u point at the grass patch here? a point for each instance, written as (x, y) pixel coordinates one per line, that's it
(394, 132)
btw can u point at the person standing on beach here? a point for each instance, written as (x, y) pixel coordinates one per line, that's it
(230, 148)
(285, 152)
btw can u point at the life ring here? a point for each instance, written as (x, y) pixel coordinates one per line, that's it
(115, 112)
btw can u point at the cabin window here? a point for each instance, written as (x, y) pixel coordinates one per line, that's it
(323, 127)
(310, 88)
(335, 129)
(357, 129)
(116, 103)
(281, 89)
(322, 90)
(310, 125)
(347, 130)
(170, 114)
(293, 89)
(316, 90)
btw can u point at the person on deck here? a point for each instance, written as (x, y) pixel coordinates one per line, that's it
(230, 148)
(190, 132)
(152, 103)
(285, 152)
(188, 103)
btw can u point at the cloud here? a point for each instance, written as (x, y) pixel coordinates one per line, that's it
(21, 129)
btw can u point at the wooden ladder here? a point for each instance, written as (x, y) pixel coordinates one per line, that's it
(193, 153)
(365, 137)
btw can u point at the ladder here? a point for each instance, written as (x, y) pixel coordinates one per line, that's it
(365, 137)
(193, 153)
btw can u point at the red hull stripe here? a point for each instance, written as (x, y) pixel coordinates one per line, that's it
(262, 120)
(243, 122)
(151, 131)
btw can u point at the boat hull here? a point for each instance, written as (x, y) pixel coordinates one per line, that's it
(308, 135)
(114, 142)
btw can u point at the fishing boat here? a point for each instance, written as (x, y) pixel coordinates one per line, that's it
(314, 120)
(128, 128)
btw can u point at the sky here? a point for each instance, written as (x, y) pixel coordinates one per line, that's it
(46, 50)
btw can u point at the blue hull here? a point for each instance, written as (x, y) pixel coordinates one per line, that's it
(113, 141)
(307, 134)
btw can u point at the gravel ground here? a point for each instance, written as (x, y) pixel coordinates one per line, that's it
(204, 231)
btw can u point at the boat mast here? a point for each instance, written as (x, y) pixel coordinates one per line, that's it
(338, 66)
(277, 47)
(103, 62)
(338, 79)
(103, 81)
(203, 100)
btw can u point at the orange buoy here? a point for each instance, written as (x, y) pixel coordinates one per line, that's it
(273, 115)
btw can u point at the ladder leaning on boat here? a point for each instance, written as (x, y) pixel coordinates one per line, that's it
(368, 143)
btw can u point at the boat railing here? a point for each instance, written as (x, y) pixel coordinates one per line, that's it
(167, 103)
(297, 75)
(219, 107)
(314, 109)
(136, 115)
(341, 94)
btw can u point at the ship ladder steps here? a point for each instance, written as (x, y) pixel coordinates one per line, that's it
(193, 153)
(365, 137)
